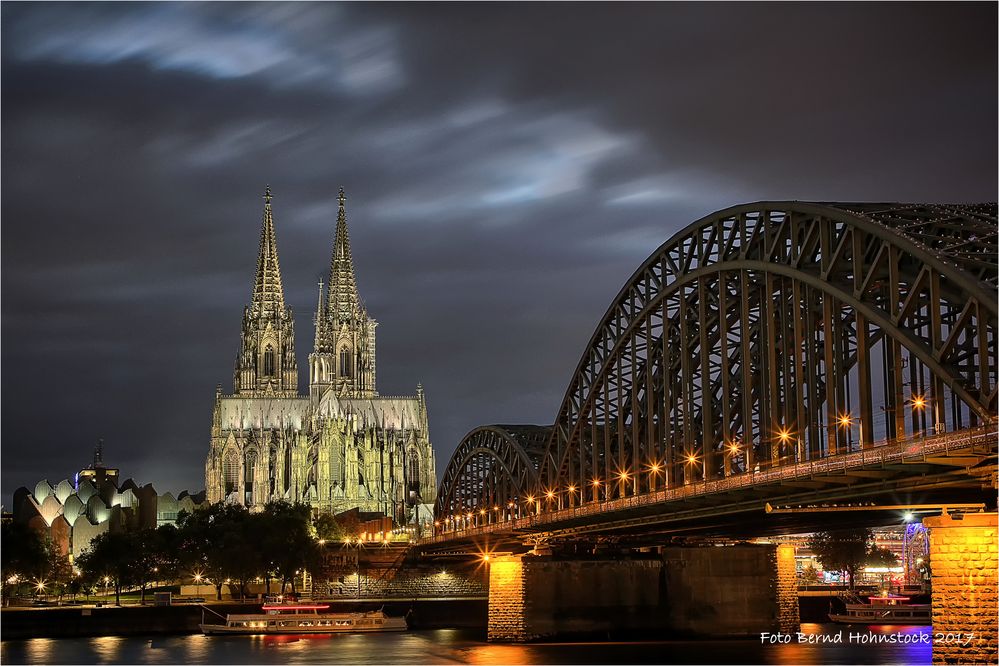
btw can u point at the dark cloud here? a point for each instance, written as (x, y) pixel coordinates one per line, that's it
(507, 167)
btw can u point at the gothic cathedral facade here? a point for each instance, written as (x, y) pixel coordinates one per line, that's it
(340, 446)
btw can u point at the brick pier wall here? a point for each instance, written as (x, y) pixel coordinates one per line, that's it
(964, 563)
(786, 582)
(507, 600)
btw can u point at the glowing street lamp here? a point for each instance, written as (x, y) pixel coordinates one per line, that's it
(623, 477)
(653, 473)
(596, 489)
(845, 420)
(918, 401)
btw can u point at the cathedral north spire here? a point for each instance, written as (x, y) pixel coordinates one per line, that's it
(266, 362)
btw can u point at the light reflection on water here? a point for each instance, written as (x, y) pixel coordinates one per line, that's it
(453, 646)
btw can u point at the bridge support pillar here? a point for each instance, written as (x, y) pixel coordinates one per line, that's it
(732, 590)
(535, 596)
(964, 562)
(708, 591)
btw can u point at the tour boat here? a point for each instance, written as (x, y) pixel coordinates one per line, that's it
(304, 619)
(886, 609)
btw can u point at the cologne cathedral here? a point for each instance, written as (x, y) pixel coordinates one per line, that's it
(341, 446)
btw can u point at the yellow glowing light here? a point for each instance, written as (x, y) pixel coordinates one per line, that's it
(845, 420)
(654, 468)
(510, 505)
(918, 401)
(485, 557)
(468, 515)
(482, 512)
(549, 494)
(572, 489)
(108, 580)
(41, 585)
(691, 459)
(784, 435)
(322, 542)
(623, 476)
(530, 498)
(495, 508)
(733, 447)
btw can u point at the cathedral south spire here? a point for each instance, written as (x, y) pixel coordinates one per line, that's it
(344, 356)
(343, 299)
(268, 294)
(266, 362)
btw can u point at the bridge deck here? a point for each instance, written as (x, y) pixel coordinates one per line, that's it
(900, 468)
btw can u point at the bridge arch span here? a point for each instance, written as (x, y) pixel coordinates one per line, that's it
(492, 467)
(779, 332)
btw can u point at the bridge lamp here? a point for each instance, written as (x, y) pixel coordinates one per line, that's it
(197, 578)
(918, 401)
(550, 494)
(41, 585)
(907, 516)
(571, 489)
(691, 459)
(784, 435)
(322, 542)
(482, 512)
(733, 448)
(845, 420)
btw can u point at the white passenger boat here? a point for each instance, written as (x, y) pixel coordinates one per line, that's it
(886, 609)
(294, 618)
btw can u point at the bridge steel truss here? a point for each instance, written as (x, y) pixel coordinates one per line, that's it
(765, 335)
(492, 468)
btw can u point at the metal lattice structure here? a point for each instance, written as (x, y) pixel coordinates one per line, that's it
(492, 467)
(772, 334)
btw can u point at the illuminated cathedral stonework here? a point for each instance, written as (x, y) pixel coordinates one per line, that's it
(342, 445)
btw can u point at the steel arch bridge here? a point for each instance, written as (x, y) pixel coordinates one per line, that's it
(764, 335)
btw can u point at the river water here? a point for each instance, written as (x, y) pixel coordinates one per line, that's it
(866, 645)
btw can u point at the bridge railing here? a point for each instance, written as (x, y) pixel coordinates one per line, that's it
(881, 453)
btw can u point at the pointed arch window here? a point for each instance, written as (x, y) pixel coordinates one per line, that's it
(230, 472)
(413, 473)
(345, 362)
(269, 361)
(249, 472)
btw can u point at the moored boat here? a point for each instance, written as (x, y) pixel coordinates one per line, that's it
(295, 618)
(884, 609)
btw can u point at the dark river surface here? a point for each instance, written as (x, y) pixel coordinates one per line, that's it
(869, 645)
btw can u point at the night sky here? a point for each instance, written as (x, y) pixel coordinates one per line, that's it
(507, 168)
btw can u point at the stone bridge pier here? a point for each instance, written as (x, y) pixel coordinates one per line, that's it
(703, 590)
(964, 564)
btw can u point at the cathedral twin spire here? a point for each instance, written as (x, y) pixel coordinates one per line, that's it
(268, 293)
(342, 298)
(343, 357)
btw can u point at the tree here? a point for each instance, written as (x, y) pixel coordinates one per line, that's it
(327, 528)
(289, 544)
(842, 550)
(24, 554)
(208, 544)
(809, 575)
(111, 555)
